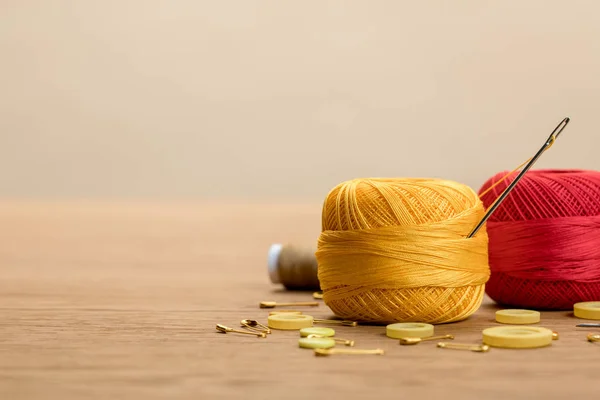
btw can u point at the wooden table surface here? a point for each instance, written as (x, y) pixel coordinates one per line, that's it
(120, 301)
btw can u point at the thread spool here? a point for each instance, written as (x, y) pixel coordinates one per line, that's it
(294, 267)
(544, 239)
(396, 250)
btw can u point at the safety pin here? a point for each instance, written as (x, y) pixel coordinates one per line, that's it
(333, 351)
(225, 329)
(253, 324)
(553, 136)
(415, 340)
(480, 348)
(273, 304)
(593, 337)
(335, 321)
(345, 342)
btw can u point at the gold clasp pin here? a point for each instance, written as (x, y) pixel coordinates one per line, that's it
(225, 329)
(593, 337)
(480, 348)
(345, 342)
(318, 295)
(273, 304)
(285, 312)
(336, 321)
(330, 352)
(555, 335)
(253, 326)
(415, 340)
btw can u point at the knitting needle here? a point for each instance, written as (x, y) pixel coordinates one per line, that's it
(589, 325)
(273, 304)
(553, 136)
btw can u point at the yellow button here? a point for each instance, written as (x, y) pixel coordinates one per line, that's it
(316, 343)
(587, 310)
(285, 312)
(517, 317)
(408, 329)
(517, 337)
(328, 332)
(289, 322)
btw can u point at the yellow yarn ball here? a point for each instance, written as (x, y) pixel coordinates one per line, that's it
(396, 250)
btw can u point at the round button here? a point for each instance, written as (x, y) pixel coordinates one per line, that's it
(316, 343)
(327, 332)
(408, 329)
(517, 317)
(289, 322)
(587, 310)
(517, 337)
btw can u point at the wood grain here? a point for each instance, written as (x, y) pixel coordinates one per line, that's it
(119, 301)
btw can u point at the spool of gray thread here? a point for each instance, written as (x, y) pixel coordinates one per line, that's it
(294, 267)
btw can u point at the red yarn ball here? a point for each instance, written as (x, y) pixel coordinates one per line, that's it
(544, 239)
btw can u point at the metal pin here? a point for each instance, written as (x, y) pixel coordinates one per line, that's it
(335, 321)
(273, 304)
(593, 337)
(481, 348)
(333, 351)
(345, 342)
(279, 312)
(553, 136)
(253, 326)
(589, 325)
(555, 335)
(225, 329)
(415, 340)
(318, 295)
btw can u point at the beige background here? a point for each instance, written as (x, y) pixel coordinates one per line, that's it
(242, 99)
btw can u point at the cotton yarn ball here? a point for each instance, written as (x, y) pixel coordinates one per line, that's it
(396, 250)
(544, 239)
